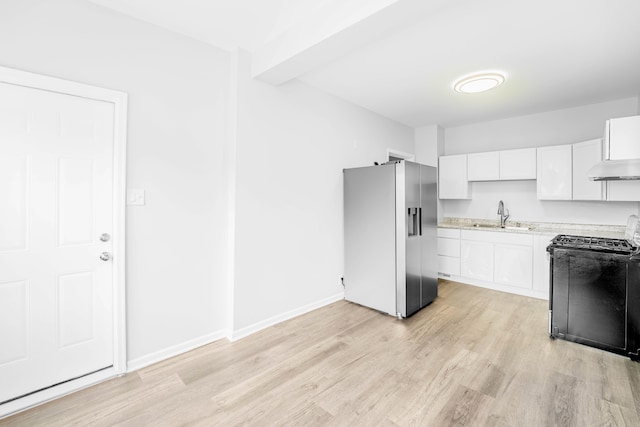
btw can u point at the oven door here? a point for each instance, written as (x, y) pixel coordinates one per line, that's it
(588, 300)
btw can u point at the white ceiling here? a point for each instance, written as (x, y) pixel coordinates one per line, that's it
(227, 24)
(557, 54)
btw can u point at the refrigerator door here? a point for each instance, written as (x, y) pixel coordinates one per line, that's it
(429, 238)
(370, 240)
(411, 236)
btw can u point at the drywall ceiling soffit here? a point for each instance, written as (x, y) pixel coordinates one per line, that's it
(332, 32)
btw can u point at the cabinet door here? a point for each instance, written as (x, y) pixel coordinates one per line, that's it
(452, 177)
(623, 191)
(554, 172)
(476, 260)
(541, 262)
(622, 138)
(513, 265)
(483, 166)
(585, 155)
(518, 164)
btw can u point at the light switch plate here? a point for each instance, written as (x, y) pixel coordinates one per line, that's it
(135, 196)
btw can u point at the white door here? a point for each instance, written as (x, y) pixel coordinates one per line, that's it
(56, 305)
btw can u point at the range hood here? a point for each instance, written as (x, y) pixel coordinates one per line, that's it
(621, 151)
(614, 170)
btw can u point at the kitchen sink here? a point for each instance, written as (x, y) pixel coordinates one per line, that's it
(516, 227)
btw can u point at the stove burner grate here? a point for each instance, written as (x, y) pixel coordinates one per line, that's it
(593, 243)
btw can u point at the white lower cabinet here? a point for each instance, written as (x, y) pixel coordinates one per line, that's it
(510, 262)
(448, 252)
(513, 265)
(448, 266)
(495, 259)
(476, 260)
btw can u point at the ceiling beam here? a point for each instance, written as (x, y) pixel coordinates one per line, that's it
(330, 34)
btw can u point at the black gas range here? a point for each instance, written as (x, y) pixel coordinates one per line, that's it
(595, 293)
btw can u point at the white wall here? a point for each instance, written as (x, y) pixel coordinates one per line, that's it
(537, 130)
(176, 243)
(429, 144)
(549, 128)
(292, 143)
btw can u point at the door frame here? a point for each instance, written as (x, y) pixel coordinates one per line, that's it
(119, 101)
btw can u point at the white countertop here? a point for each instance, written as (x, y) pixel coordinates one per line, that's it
(591, 230)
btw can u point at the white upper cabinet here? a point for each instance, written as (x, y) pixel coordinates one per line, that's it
(483, 166)
(452, 177)
(621, 138)
(502, 165)
(585, 155)
(554, 172)
(623, 191)
(518, 164)
(621, 142)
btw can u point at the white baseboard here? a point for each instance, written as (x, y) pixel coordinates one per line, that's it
(258, 326)
(166, 353)
(158, 356)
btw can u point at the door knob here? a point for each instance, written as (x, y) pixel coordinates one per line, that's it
(105, 237)
(105, 256)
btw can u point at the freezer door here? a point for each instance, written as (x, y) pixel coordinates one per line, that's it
(429, 238)
(412, 236)
(369, 237)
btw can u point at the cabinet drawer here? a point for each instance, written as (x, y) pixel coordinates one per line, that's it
(451, 233)
(498, 237)
(449, 247)
(449, 265)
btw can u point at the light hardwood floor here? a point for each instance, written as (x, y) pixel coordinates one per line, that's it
(473, 357)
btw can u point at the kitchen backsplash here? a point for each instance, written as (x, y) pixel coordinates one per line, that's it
(520, 198)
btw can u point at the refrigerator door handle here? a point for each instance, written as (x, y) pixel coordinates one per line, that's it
(414, 228)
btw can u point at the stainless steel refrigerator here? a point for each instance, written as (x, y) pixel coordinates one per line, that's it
(390, 226)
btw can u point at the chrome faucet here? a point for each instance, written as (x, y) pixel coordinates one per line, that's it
(503, 217)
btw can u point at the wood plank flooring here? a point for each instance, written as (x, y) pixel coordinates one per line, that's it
(473, 357)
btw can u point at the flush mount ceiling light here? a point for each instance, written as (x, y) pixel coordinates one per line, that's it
(478, 82)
